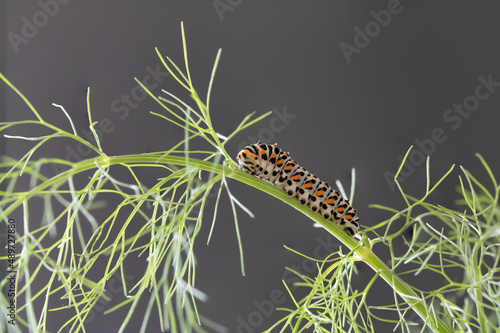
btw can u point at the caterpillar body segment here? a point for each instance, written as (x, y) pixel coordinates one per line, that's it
(270, 163)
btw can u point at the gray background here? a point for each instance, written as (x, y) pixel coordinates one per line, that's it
(279, 55)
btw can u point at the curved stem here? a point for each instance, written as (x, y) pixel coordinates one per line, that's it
(365, 253)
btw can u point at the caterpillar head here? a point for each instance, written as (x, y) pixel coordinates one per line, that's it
(248, 161)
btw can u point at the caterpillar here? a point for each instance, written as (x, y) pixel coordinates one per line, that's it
(270, 163)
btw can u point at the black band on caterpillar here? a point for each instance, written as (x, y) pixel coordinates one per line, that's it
(270, 163)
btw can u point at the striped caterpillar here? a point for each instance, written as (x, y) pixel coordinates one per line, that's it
(270, 163)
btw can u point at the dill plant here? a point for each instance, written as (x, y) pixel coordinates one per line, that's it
(460, 248)
(171, 213)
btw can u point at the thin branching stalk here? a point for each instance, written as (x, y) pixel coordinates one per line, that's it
(171, 214)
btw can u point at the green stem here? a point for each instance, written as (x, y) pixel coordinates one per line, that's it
(365, 253)
(476, 277)
(403, 289)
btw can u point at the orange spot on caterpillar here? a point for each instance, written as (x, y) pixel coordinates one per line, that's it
(270, 163)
